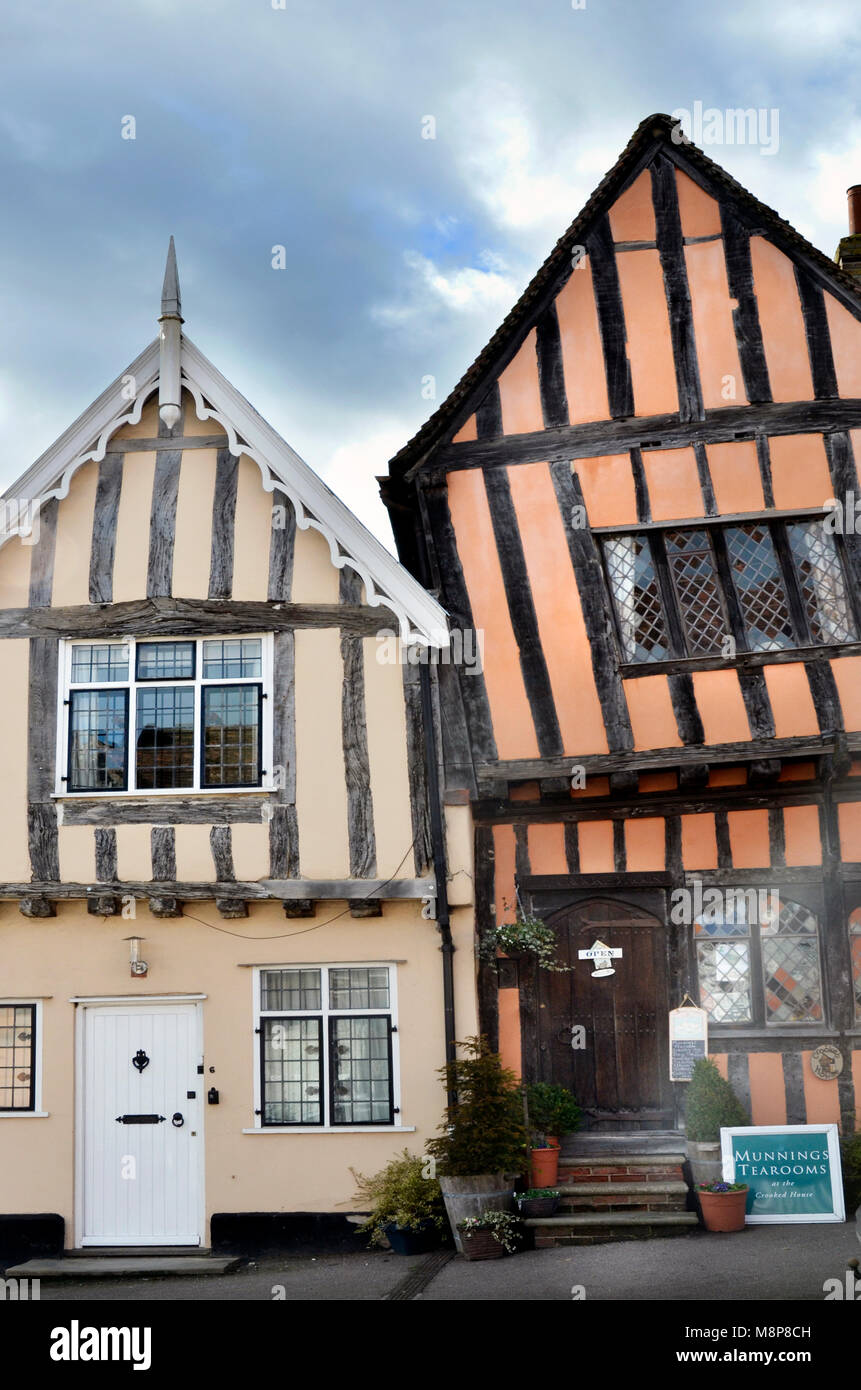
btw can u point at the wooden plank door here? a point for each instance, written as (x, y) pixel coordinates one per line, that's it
(621, 1076)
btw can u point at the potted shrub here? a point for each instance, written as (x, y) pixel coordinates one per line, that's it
(406, 1205)
(525, 936)
(489, 1235)
(722, 1205)
(711, 1105)
(543, 1162)
(537, 1201)
(552, 1110)
(483, 1137)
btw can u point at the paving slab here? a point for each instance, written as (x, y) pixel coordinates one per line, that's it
(115, 1267)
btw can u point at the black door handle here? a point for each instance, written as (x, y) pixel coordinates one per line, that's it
(178, 1121)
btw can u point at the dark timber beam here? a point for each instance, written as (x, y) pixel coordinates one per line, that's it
(180, 617)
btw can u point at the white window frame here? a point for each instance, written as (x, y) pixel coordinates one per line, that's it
(325, 1013)
(37, 1113)
(268, 781)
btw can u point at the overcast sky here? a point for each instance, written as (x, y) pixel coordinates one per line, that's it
(303, 126)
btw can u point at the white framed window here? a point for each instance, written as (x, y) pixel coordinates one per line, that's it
(20, 1057)
(161, 715)
(327, 1054)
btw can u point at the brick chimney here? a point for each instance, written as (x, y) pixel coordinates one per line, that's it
(848, 255)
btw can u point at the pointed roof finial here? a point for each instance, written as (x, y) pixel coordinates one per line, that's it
(171, 305)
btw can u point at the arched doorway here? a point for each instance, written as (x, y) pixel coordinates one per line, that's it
(620, 1073)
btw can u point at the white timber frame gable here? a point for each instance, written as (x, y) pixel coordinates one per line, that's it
(422, 621)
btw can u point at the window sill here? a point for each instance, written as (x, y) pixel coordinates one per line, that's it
(175, 792)
(803, 1030)
(742, 660)
(25, 1115)
(331, 1129)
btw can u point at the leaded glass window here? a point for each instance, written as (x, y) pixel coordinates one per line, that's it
(231, 735)
(160, 661)
(855, 951)
(326, 1040)
(97, 740)
(234, 657)
(758, 960)
(692, 567)
(823, 583)
(760, 587)
(634, 585)
(96, 662)
(17, 1056)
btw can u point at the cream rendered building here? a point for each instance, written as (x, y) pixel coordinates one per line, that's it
(236, 923)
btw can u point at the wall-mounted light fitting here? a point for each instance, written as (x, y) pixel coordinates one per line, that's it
(138, 966)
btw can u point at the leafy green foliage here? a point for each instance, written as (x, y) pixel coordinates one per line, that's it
(400, 1193)
(484, 1132)
(552, 1109)
(504, 1226)
(712, 1104)
(851, 1163)
(527, 935)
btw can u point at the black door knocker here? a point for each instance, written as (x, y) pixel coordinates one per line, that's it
(178, 1120)
(140, 1060)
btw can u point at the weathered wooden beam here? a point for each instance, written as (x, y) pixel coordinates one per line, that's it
(255, 890)
(708, 800)
(231, 908)
(162, 526)
(36, 906)
(488, 413)
(417, 769)
(817, 334)
(165, 907)
(354, 737)
(672, 257)
(665, 431)
(103, 905)
(221, 845)
(741, 661)
(185, 617)
(104, 533)
(748, 331)
(168, 442)
(611, 319)
(163, 853)
(366, 907)
(223, 524)
(41, 753)
(245, 809)
(42, 558)
(551, 376)
(106, 854)
(300, 908)
(282, 545)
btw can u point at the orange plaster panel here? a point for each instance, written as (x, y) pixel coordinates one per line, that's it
(632, 216)
(791, 700)
(582, 352)
(714, 332)
(608, 489)
(721, 707)
(557, 609)
(470, 514)
(509, 1029)
(650, 349)
(699, 213)
(651, 710)
(849, 822)
(467, 431)
(799, 471)
(699, 842)
(802, 836)
(797, 772)
(767, 1091)
(547, 849)
(596, 847)
(645, 845)
(519, 392)
(504, 868)
(735, 477)
(748, 839)
(821, 1098)
(856, 1079)
(595, 786)
(657, 782)
(728, 777)
(673, 482)
(781, 321)
(529, 791)
(847, 676)
(845, 331)
(721, 1061)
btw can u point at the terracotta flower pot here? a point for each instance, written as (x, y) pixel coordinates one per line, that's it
(545, 1167)
(553, 1141)
(723, 1211)
(481, 1245)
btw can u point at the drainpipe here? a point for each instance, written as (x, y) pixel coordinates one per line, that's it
(439, 863)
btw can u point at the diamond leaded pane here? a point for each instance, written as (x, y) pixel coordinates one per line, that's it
(724, 976)
(360, 1064)
(790, 967)
(794, 919)
(692, 567)
(759, 585)
(823, 586)
(292, 1071)
(637, 598)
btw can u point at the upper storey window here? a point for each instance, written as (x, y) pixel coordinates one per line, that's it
(756, 586)
(155, 716)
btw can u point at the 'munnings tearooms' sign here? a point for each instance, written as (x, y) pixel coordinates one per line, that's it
(792, 1171)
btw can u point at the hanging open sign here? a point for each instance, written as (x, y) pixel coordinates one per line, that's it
(601, 954)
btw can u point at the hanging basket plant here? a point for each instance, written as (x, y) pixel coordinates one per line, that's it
(527, 935)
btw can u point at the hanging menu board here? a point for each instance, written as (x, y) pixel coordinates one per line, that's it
(688, 1040)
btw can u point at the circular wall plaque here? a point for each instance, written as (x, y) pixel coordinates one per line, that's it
(826, 1062)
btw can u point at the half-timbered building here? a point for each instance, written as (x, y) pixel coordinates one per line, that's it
(642, 494)
(226, 937)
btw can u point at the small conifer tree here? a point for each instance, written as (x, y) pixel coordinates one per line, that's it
(484, 1132)
(712, 1104)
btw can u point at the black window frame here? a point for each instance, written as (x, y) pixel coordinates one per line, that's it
(97, 690)
(164, 642)
(286, 1018)
(654, 535)
(30, 1108)
(234, 685)
(350, 1124)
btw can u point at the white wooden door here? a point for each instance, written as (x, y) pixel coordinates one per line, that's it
(142, 1151)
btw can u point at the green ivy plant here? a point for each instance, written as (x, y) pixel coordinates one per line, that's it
(503, 1225)
(526, 935)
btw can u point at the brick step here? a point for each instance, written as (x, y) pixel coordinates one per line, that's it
(647, 1196)
(590, 1228)
(628, 1169)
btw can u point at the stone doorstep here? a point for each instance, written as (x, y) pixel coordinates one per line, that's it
(622, 1160)
(626, 1218)
(609, 1191)
(594, 1227)
(120, 1267)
